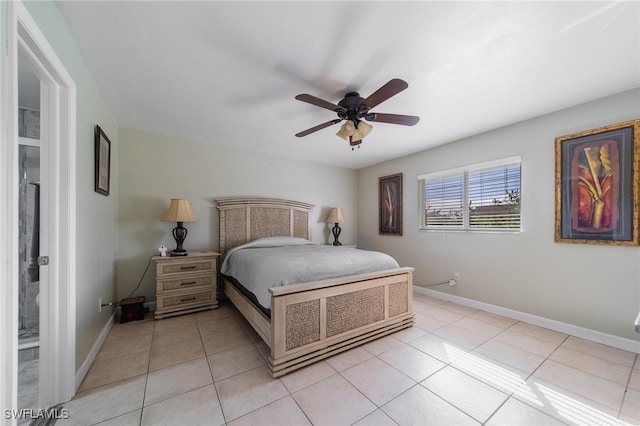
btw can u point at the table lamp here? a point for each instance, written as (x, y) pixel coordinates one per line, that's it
(336, 217)
(179, 211)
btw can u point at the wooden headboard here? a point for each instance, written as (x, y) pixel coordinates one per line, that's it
(244, 219)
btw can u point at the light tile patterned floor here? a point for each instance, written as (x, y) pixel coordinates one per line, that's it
(455, 366)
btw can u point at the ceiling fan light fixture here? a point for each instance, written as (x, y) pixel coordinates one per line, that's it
(346, 130)
(353, 108)
(362, 131)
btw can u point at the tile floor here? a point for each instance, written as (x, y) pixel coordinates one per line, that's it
(455, 366)
(28, 386)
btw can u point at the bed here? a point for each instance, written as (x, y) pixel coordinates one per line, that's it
(310, 321)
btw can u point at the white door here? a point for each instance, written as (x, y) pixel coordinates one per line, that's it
(33, 236)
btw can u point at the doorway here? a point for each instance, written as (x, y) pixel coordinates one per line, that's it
(54, 295)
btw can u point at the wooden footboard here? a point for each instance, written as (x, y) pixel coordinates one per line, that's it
(313, 321)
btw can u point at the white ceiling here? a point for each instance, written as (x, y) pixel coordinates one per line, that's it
(227, 72)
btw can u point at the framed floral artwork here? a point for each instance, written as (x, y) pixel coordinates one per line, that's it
(598, 186)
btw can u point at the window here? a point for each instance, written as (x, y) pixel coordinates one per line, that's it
(482, 197)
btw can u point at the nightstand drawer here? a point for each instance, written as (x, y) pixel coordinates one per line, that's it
(181, 267)
(186, 300)
(184, 282)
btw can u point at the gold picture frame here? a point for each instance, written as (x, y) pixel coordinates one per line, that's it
(598, 186)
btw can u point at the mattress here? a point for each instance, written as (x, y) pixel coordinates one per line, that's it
(280, 261)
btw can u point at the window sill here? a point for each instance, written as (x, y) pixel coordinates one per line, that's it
(473, 231)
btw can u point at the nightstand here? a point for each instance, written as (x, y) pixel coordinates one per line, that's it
(345, 245)
(186, 284)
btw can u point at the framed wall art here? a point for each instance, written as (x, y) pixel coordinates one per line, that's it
(390, 204)
(598, 186)
(102, 162)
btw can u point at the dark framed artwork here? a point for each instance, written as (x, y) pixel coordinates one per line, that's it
(102, 162)
(390, 204)
(598, 186)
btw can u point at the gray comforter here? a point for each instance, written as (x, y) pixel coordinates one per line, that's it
(279, 261)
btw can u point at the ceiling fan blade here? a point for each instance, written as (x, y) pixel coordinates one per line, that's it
(318, 127)
(320, 103)
(392, 88)
(405, 120)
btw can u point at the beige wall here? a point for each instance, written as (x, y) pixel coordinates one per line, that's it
(96, 214)
(155, 168)
(595, 287)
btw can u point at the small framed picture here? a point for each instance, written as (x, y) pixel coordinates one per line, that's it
(390, 204)
(102, 162)
(598, 186)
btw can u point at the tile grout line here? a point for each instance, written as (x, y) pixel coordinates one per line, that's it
(213, 380)
(626, 388)
(146, 377)
(295, 401)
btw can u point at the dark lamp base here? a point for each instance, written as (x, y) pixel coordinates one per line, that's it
(336, 233)
(179, 233)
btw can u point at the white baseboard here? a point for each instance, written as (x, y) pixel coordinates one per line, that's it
(84, 368)
(585, 333)
(88, 361)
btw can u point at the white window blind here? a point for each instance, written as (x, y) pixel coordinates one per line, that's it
(494, 198)
(444, 200)
(481, 197)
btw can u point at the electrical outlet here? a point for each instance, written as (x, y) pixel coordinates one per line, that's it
(456, 276)
(452, 282)
(99, 304)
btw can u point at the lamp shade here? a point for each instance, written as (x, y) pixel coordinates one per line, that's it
(336, 216)
(346, 130)
(363, 130)
(180, 211)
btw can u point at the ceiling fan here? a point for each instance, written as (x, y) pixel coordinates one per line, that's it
(355, 109)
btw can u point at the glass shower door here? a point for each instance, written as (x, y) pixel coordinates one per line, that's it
(29, 200)
(29, 277)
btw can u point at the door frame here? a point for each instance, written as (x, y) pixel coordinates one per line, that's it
(58, 132)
